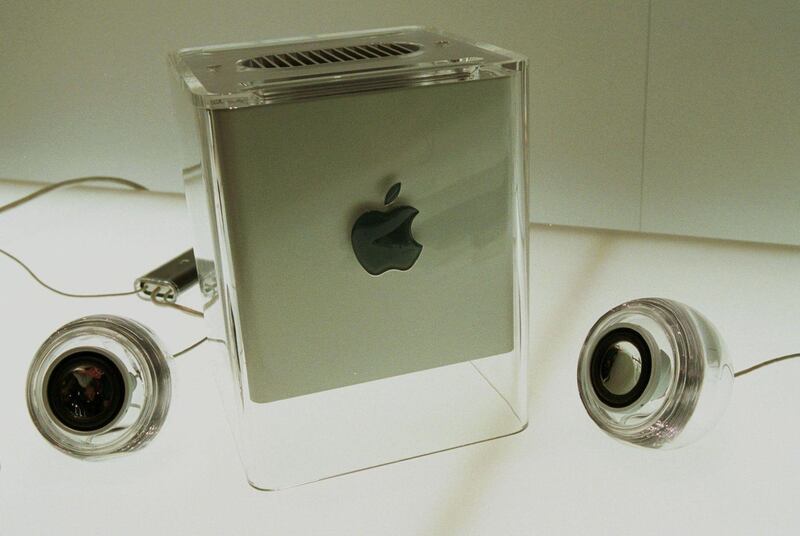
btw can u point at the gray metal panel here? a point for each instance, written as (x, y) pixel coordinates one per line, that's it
(296, 176)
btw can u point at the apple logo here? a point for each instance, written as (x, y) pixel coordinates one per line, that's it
(382, 240)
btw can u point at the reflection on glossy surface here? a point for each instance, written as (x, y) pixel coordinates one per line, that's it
(383, 241)
(621, 368)
(86, 391)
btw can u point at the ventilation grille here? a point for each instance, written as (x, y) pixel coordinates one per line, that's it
(324, 56)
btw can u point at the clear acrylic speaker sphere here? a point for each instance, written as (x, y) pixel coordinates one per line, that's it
(654, 373)
(144, 375)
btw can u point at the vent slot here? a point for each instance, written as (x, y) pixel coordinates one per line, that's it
(322, 56)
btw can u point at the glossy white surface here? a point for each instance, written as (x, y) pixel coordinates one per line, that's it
(561, 476)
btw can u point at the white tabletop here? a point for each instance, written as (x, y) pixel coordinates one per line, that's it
(560, 476)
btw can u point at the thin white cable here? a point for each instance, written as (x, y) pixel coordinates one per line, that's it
(764, 364)
(69, 182)
(190, 347)
(62, 292)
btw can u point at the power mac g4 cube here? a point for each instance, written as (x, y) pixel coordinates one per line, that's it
(359, 207)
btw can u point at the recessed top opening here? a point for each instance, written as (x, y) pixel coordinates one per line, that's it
(323, 56)
(280, 70)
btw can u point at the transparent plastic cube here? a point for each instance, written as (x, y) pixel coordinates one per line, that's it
(329, 365)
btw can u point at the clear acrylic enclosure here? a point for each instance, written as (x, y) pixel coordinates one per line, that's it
(360, 217)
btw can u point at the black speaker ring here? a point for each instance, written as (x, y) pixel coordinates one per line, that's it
(623, 334)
